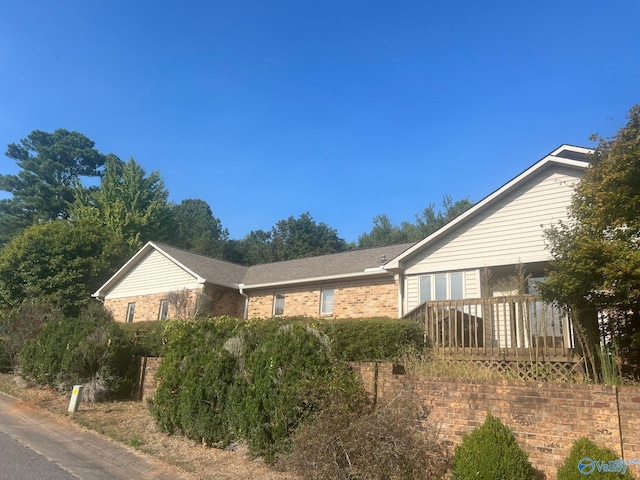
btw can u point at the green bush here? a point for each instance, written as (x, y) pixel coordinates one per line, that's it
(147, 338)
(224, 380)
(490, 452)
(371, 339)
(583, 455)
(284, 376)
(86, 350)
(20, 324)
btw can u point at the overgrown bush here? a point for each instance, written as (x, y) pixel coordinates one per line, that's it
(392, 441)
(491, 452)
(372, 339)
(147, 338)
(20, 324)
(581, 463)
(86, 350)
(224, 380)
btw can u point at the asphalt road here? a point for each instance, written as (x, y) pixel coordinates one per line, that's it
(81, 453)
(21, 463)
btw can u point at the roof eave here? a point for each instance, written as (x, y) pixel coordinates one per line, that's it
(101, 292)
(343, 276)
(395, 264)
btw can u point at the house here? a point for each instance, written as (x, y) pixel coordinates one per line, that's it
(161, 281)
(472, 257)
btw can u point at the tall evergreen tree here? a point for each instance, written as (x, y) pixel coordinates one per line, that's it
(51, 165)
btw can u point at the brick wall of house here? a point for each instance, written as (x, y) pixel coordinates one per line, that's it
(225, 302)
(546, 418)
(354, 299)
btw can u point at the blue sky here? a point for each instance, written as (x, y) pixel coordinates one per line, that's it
(345, 109)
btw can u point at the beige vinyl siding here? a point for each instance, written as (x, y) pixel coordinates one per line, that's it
(155, 273)
(507, 232)
(471, 288)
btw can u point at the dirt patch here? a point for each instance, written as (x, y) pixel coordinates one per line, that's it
(131, 423)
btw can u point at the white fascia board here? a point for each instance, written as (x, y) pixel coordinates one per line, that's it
(133, 261)
(344, 276)
(394, 264)
(573, 148)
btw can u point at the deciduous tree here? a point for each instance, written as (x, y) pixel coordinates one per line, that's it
(428, 221)
(133, 205)
(289, 239)
(59, 262)
(196, 229)
(597, 252)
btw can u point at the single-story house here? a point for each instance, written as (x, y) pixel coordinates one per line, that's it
(501, 231)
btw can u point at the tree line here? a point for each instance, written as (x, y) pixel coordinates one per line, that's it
(76, 214)
(60, 240)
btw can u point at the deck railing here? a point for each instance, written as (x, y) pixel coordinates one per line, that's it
(520, 327)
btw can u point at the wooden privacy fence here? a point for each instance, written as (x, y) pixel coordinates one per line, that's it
(509, 328)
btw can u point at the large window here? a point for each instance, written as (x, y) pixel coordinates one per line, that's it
(131, 310)
(278, 305)
(326, 301)
(164, 309)
(441, 286)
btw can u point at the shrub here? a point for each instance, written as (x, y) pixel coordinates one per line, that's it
(21, 324)
(584, 454)
(147, 338)
(81, 350)
(393, 441)
(371, 339)
(284, 377)
(491, 452)
(225, 380)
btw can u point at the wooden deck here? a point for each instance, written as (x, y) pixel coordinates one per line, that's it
(517, 328)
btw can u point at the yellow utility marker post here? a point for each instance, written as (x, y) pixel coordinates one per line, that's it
(75, 398)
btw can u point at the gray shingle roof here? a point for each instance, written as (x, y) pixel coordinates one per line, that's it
(214, 271)
(345, 263)
(220, 272)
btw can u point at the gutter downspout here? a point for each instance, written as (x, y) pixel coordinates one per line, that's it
(400, 278)
(246, 301)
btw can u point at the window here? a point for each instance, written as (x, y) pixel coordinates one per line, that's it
(164, 309)
(131, 310)
(441, 286)
(278, 305)
(326, 301)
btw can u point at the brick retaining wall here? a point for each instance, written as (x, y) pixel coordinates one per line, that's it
(546, 418)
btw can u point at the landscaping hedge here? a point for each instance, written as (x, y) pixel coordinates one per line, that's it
(71, 351)
(223, 380)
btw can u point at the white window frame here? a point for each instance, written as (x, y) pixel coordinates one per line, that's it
(131, 311)
(433, 287)
(325, 294)
(163, 312)
(278, 304)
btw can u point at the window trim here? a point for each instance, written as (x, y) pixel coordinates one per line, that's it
(323, 297)
(131, 311)
(278, 298)
(433, 287)
(163, 311)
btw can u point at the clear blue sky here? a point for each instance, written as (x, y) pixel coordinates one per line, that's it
(345, 109)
